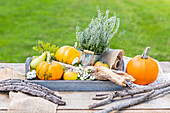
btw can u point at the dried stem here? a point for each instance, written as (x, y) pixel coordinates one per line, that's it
(145, 53)
(42, 47)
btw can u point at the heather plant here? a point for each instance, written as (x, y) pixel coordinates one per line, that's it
(97, 35)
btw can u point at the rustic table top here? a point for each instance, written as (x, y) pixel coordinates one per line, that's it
(78, 101)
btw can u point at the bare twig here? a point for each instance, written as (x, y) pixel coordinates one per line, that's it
(108, 100)
(127, 104)
(101, 94)
(101, 97)
(129, 92)
(139, 100)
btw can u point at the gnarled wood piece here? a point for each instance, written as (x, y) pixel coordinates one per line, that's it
(25, 83)
(30, 88)
(123, 74)
(109, 75)
(32, 85)
(127, 92)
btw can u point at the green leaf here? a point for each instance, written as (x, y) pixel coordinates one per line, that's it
(47, 46)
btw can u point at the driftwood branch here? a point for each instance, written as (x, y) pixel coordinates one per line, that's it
(139, 100)
(103, 73)
(30, 88)
(123, 74)
(109, 75)
(126, 92)
(32, 85)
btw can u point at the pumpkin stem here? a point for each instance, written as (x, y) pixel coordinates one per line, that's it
(49, 58)
(144, 55)
(42, 47)
(75, 45)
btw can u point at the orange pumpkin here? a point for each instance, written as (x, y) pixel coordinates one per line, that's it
(143, 68)
(49, 71)
(67, 54)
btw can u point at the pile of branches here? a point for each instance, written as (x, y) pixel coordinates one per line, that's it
(150, 92)
(31, 89)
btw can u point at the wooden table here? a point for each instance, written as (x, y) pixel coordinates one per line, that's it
(78, 101)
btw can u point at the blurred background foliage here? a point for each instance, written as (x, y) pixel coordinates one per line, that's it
(24, 22)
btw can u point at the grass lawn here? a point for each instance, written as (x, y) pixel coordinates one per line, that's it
(24, 22)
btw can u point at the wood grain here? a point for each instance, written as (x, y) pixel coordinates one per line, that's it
(3, 111)
(4, 101)
(165, 66)
(90, 111)
(123, 111)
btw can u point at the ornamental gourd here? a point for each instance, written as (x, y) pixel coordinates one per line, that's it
(67, 54)
(100, 63)
(143, 68)
(49, 70)
(69, 75)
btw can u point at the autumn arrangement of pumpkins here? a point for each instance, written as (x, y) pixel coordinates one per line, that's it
(95, 38)
(142, 68)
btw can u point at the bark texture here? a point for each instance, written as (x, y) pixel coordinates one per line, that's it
(30, 88)
(146, 97)
(124, 93)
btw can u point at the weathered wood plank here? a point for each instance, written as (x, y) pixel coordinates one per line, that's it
(90, 111)
(4, 101)
(165, 66)
(123, 111)
(16, 66)
(4, 111)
